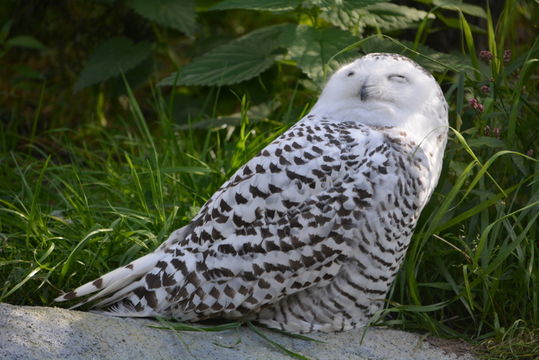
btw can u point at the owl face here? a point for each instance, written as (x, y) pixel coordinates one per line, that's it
(380, 81)
(385, 90)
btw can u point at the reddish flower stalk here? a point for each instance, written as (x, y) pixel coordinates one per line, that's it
(476, 105)
(485, 55)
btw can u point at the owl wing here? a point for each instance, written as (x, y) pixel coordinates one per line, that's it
(277, 226)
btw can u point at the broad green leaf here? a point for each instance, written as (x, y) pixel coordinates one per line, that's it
(383, 15)
(387, 16)
(176, 14)
(356, 4)
(342, 4)
(267, 5)
(458, 5)
(111, 58)
(237, 61)
(312, 49)
(25, 41)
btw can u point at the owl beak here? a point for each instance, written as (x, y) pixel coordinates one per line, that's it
(364, 92)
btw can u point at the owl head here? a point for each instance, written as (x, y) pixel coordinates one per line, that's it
(382, 89)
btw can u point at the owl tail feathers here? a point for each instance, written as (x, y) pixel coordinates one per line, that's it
(115, 285)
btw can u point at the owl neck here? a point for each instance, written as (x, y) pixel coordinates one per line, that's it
(427, 131)
(416, 125)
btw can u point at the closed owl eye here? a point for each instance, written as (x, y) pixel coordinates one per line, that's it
(397, 78)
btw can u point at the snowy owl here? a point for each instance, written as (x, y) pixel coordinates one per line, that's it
(309, 234)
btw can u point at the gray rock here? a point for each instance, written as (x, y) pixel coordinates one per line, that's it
(54, 333)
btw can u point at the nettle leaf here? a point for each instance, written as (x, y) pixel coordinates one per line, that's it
(458, 5)
(358, 4)
(440, 61)
(383, 15)
(176, 14)
(286, 5)
(237, 61)
(344, 4)
(267, 5)
(111, 58)
(312, 49)
(387, 16)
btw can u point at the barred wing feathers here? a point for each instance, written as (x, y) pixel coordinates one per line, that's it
(304, 211)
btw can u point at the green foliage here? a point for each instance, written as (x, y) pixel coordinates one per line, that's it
(432, 60)
(111, 58)
(21, 41)
(237, 61)
(244, 58)
(175, 14)
(114, 56)
(312, 49)
(457, 5)
(268, 5)
(84, 192)
(384, 16)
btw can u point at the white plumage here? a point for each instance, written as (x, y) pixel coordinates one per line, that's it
(309, 234)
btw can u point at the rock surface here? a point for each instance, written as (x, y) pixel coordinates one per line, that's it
(54, 333)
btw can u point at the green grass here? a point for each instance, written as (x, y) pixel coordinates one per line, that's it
(78, 201)
(75, 207)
